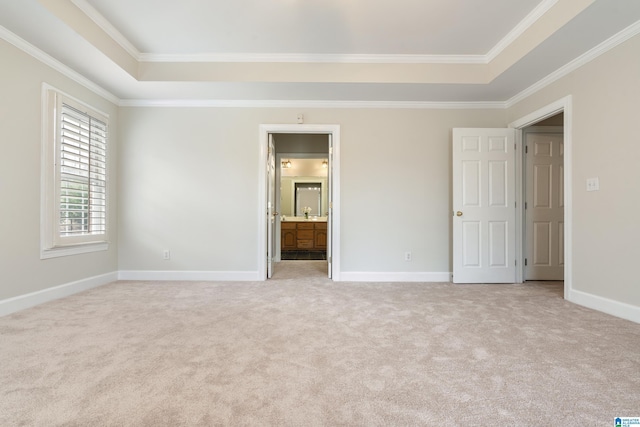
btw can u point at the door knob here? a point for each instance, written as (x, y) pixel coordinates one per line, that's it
(459, 213)
(275, 214)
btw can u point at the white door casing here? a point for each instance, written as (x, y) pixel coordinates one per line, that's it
(562, 105)
(484, 205)
(329, 207)
(544, 209)
(271, 203)
(334, 132)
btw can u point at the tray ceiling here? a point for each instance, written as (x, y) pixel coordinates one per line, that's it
(312, 50)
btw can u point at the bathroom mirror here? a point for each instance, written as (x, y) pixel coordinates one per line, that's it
(288, 198)
(308, 194)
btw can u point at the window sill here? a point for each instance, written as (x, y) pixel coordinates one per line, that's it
(84, 248)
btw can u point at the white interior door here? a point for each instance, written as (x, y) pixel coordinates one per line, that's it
(271, 203)
(544, 213)
(329, 211)
(484, 206)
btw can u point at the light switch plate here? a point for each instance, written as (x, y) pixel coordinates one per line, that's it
(593, 184)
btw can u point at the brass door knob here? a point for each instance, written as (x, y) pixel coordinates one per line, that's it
(459, 213)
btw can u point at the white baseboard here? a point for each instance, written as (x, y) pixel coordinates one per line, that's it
(366, 276)
(11, 305)
(246, 276)
(605, 305)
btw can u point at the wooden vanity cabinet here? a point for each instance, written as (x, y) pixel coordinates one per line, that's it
(303, 235)
(288, 235)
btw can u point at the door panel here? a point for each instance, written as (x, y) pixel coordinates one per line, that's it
(498, 184)
(471, 244)
(484, 206)
(498, 244)
(271, 203)
(544, 206)
(329, 211)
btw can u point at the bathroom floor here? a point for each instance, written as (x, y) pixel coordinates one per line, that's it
(303, 255)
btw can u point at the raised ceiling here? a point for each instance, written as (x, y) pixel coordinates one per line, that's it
(421, 51)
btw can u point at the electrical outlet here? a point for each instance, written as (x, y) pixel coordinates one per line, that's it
(593, 184)
(407, 256)
(166, 254)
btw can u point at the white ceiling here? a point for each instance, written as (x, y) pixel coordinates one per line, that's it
(315, 50)
(314, 26)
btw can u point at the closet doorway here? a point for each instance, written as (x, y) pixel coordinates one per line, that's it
(543, 162)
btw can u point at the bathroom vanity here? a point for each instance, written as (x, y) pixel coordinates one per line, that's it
(303, 234)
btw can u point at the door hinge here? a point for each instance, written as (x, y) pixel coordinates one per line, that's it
(526, 149)
(525, 205)
(525, 261)
(329, 260)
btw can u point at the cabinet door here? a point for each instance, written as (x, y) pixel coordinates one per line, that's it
(321, 239)
(289, 239)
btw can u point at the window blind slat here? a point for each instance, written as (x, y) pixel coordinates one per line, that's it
(82, 202)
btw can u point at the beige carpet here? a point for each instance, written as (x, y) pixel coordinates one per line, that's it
(300, 350)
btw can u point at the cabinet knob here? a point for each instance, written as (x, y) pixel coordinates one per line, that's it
(458, 213)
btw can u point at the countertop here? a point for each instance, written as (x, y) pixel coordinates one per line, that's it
(302, 219)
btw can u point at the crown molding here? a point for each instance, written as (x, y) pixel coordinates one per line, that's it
(107, 27)
(605, 46)
(215, 103)
(41, 56)
(314, 58)
(519, 29)
(48, 60)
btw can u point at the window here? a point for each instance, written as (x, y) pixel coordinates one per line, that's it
(74, 182)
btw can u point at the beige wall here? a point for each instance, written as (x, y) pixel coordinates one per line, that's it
(557, 120)
(605, 95)
(21, 269)
(189, 183)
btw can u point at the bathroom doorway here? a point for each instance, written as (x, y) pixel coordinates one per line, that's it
(317, 145)
(302, 197)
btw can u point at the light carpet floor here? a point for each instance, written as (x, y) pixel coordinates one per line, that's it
(300, 350)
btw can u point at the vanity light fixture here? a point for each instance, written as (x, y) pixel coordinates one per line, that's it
(325, 164)
(286, 164)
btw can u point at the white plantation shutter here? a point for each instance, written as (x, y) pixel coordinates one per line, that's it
(83, 191)
(74, 177)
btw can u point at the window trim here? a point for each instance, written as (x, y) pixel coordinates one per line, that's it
(51, 243)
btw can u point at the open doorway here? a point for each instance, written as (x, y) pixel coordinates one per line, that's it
(543, 144)
(302, 197)
(288, 145)
(561, 109)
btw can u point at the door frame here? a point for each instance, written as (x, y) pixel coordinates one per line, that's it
(334, 215)
(559, 106)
